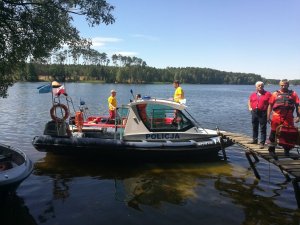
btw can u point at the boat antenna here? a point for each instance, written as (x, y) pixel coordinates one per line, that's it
(132, 94)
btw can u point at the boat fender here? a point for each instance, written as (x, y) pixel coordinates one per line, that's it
(79, 120)
(65, 110)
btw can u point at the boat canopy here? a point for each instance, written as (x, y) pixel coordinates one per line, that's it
(165, 102)
(156, 115)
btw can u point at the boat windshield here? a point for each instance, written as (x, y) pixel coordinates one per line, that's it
(163, 118)
(122, 116)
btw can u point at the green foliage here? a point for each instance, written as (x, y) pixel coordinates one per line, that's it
(141, 74)
(31, 30)
(295, 82)
(35, 31)
(31, 72)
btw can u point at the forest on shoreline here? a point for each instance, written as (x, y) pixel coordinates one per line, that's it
(135, 74)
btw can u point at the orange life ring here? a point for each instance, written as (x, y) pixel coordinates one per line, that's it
(65, 112)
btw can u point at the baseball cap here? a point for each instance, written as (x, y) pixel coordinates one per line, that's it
(55, 84)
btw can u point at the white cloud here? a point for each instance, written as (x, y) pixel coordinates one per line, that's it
(101, 41)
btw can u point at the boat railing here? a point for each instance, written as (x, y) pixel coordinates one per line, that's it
(68, 101)
(121, 120)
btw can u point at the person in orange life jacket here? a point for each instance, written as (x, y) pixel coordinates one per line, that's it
(258, 104)
(112, 104)
(282, 105)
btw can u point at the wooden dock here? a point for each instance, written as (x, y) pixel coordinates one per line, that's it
(288, 164)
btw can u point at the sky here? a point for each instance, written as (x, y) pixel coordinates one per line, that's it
(247, 36)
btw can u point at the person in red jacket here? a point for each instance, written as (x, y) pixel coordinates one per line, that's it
(282, 103)
(258, 104)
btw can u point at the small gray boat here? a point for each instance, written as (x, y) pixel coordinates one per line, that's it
(15, 167)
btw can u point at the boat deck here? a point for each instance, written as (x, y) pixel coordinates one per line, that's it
(288, 164)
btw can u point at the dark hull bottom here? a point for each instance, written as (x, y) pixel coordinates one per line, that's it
(118, 150)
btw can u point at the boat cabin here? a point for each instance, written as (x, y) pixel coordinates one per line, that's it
(148, 119)
(157, 119)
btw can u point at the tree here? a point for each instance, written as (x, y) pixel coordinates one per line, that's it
(31, 72)
(32, 29)
(114, 59)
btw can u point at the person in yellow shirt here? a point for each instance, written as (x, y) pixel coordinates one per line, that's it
(112, 104)
(179, 94)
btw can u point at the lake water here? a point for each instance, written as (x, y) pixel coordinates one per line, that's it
(63, 191)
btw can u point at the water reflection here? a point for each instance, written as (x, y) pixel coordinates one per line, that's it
(258, 209)
(215, 187)
(14, 211)
(136, 184)
(154, 188)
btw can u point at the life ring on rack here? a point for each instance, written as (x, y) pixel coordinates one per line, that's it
(64, 109)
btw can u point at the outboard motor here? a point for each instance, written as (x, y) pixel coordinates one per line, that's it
(53, 128)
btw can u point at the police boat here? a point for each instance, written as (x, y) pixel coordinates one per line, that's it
(148, 127)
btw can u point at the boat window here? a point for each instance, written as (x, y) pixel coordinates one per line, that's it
(163, 118)
(122, 115)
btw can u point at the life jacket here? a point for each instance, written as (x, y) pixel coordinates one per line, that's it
(284, 101)
(288, 136)
(79, 120)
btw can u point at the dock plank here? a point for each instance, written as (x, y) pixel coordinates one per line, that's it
(290, 163)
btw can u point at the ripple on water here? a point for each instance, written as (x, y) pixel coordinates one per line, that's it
(62, 190)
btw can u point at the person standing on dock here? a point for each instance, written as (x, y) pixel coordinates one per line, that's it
(282, 105)
(258, 104)
(112, 105)
(179, 94)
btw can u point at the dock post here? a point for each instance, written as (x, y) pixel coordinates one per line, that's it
(289, 165)
(221, 136)
(248, 153)
(255, 157)
(295, 183)
(222, 148)
(285, 174)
